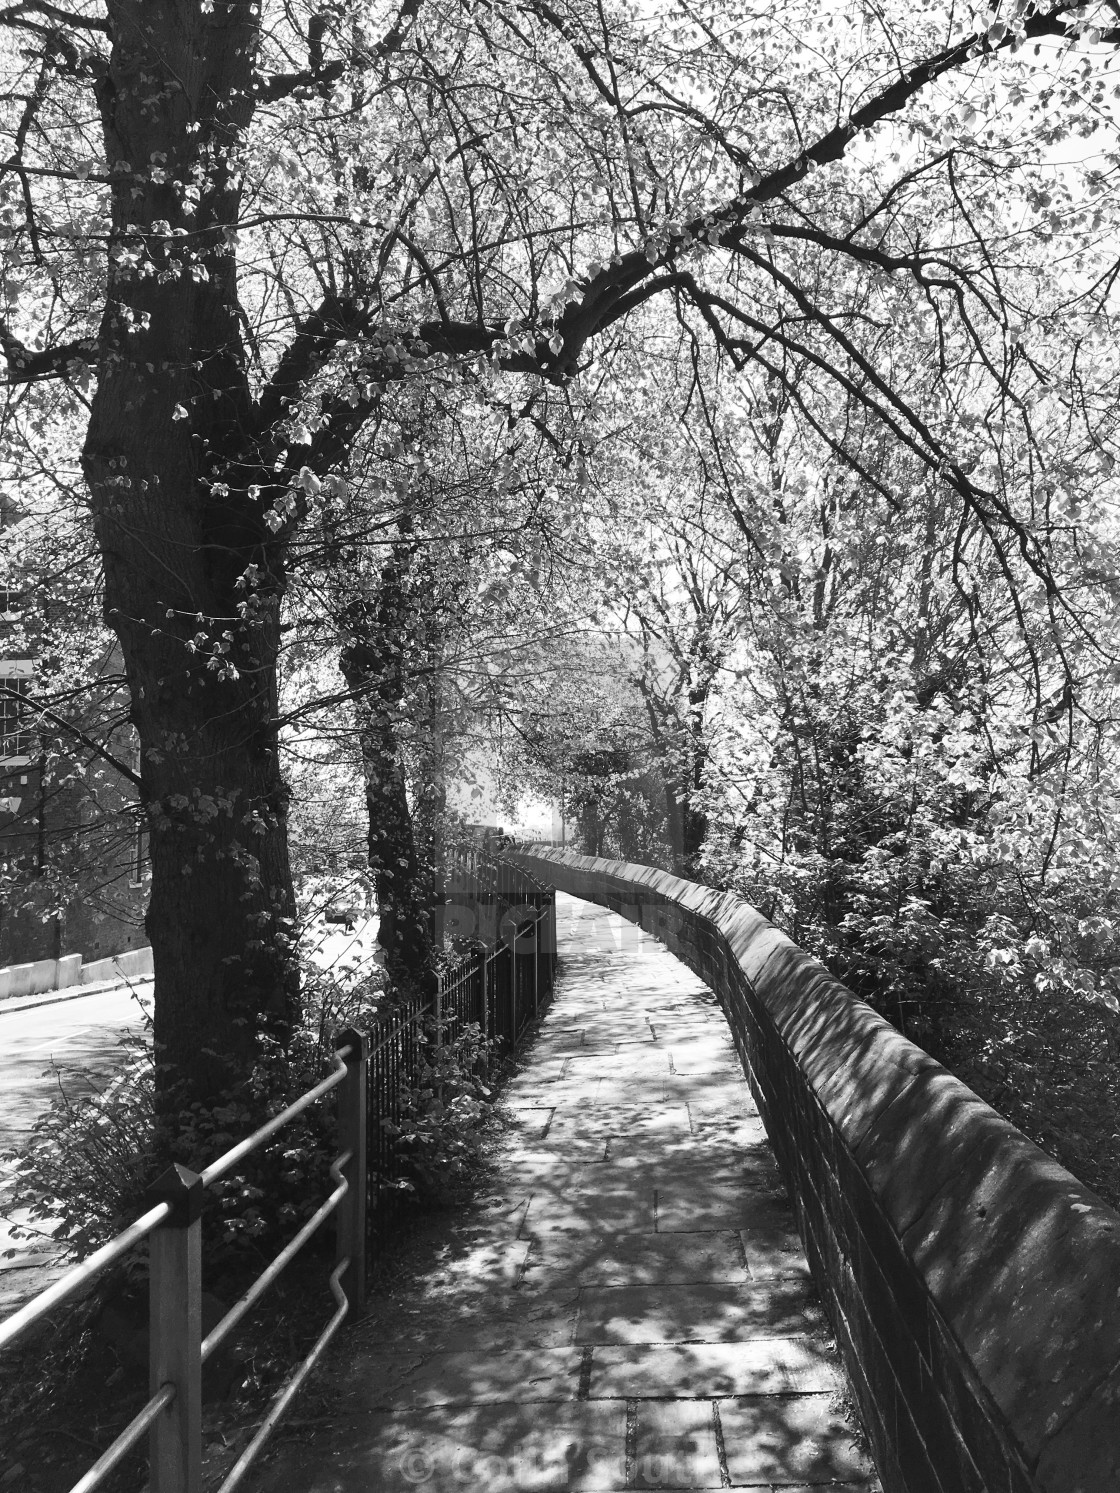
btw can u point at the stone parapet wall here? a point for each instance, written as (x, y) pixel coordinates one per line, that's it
(973, 1284)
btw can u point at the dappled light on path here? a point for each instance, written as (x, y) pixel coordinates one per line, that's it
(629, 1306)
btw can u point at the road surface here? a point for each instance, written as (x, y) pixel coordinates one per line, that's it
(73, 1043)
(346, 955)
(85, 1033)
(76, 1043)
(69, 1036)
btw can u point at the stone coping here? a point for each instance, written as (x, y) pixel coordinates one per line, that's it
(1010, 1265)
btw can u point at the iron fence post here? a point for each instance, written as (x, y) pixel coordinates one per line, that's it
(353, 1137)
(552, 954)
(175, 1339)
(511, 998)
(483, 993)
(536, 965)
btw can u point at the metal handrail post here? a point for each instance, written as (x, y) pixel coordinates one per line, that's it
(553, 951)
(175, 1352)
(353, 1128)
(536, 967)
(483, 992)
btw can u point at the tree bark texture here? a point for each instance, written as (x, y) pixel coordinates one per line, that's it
(171, 464)
(373, 664)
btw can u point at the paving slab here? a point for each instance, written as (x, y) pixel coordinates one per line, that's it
(773, 1252)
(711, 1312)
(529, 1119)
(674, 1445)
(518, 1376)
(748, 1132)
(628, 1306)
(687, 1211)
(499, 1448)
(765, 1366)
(598, 1259)
(778, 1439)
(629, 1211)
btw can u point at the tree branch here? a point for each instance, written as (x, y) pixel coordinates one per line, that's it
(13, 14)
(607, 291)
(69, 727)
(321, 75)
(27, 367)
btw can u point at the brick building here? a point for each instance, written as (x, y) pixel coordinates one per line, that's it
(73, 874)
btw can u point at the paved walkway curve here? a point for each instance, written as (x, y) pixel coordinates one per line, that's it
(631, 1309)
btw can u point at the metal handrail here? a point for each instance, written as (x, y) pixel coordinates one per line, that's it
(286, 1255)
(400, 1026)
(40, 1305)
(102, 1258)
(229, 1159)
(168, 1279)
(124, 1443)
(294, 1384)
(186, 1228)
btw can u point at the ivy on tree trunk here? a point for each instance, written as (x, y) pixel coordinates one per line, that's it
(193, 577)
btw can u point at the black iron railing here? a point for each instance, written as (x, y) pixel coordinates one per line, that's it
(501, 986)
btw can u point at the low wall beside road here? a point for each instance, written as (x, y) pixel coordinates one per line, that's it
(973, 1284)
(45, 975)
(132, 964)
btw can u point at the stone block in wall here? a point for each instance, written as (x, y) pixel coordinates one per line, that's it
(839, 1042)
(969, 1406)
(954, 1463)
(135, 964)
(918, 1143)
(874, 1382)
(1086, 1446)
(69, 971)
(44, 976)
(870, 1238)
(1023, 1263)
(15, 979)
(877, 1066)
(899, 1312)
(920, 1460)
(856, 1341)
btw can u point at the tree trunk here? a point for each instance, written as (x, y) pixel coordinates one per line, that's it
(430, 815)
(405, 912)
(170, 464)
(683, 754)
(373, 665)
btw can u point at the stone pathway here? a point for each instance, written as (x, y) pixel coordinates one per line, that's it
(630, 1308)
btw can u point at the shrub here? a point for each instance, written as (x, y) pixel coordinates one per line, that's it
(441, 1125)
(83, 1172)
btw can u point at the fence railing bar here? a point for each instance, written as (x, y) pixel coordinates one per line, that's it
(294, 1384)
(229, 1160)
(73, 1279)
(286, 1255)
(125, 1441)
(401, 1026)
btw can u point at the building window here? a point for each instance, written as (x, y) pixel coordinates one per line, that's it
(11, 603)
(141, 856)
(15, 737)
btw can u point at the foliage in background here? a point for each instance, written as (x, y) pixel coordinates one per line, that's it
(876, 740)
